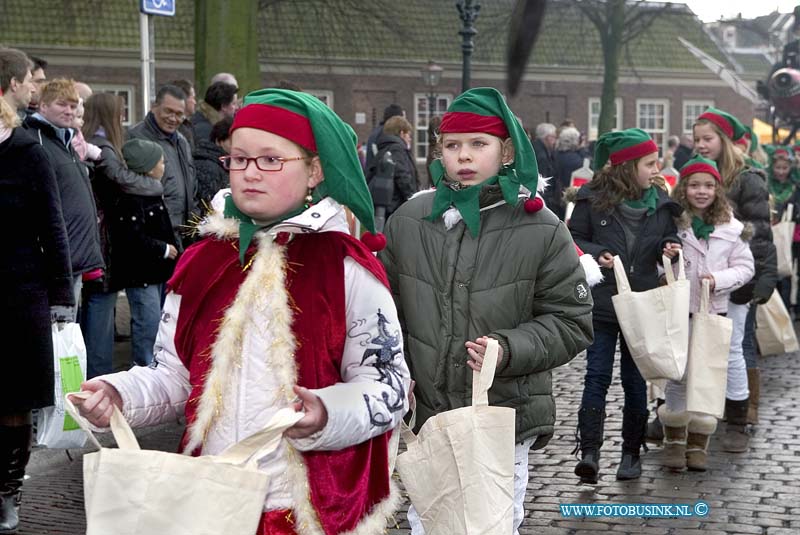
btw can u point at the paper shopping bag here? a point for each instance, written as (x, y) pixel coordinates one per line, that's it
(782, 237)
(655, 323)
(459, 469)
(707, 369)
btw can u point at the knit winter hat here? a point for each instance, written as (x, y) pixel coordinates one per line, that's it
(141, 155)
(305, 120)
(623, 146)
(726, 122)
(698, 164)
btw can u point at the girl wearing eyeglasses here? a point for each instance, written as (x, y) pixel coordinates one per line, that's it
(278, 306)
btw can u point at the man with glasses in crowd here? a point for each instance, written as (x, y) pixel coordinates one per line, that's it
(180, 187)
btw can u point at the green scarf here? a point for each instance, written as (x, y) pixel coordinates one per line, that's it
(781, 191)
(248, 227)
(649, 200)
(701, 229)
(466, 199)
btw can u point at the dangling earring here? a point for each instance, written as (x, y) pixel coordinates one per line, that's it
(309, 199)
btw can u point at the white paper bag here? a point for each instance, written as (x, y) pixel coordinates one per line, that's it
(655, 323)
(707, 370)
(54, 428)
(459, 469)
(130, 491)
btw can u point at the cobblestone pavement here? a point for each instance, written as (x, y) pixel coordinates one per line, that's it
(755, 493)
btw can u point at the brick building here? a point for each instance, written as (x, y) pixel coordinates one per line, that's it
(368, 55)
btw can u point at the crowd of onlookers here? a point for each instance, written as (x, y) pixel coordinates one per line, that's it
(128, 196)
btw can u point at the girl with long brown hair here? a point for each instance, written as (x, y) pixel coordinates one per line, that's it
(746, 189)
(623, 212)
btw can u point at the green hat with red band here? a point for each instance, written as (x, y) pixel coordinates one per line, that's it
(305, 120)
(698, 164)
(484, 109)
(730, 125)
(623, 146)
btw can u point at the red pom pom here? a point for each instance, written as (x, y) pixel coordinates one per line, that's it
(534, 205)
(374, 242)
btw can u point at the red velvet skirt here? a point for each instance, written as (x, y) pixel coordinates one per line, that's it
(277, 523)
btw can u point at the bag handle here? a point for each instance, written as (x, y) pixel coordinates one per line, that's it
(623, 286)
(122, 432)
(668, 271)
(705, 296)
(407, 429)
(787, 213)
(482, 380)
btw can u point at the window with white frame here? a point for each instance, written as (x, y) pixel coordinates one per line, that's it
(691, 110)
(324, 95)
(421, 115)
(594, 115)
(652, 116)
(125, 92)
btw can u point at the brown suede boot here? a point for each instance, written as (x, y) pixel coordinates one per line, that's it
(674, 454)
(754, 385)
(736, 438)
(701, 427)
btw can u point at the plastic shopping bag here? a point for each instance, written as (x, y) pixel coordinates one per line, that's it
(56, 428)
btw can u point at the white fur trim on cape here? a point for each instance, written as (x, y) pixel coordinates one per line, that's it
(266, 284)
(591, 269)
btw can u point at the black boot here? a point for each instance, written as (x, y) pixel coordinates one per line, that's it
(590, 431)
(15, 450)
(634, 426)
(655, 431)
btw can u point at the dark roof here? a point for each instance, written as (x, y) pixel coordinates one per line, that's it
(411, 30)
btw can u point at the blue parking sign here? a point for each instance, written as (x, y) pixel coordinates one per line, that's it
(158, 7)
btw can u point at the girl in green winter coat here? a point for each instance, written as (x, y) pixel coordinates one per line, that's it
(479, 258)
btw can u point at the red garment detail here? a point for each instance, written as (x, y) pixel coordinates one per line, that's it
(700, 167)
(533, 205)
(781, 153)
(720, 121)
(374, 242)
(344, 485)
(277, 523)
(578, 250)
(636, 151)
(459, 122)
(277, 120)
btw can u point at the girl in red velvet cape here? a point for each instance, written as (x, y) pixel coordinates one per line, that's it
(278, 305)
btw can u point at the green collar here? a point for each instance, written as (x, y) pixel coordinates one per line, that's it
(247, 225)
(649, 200)
(467, 199)
(701, 229)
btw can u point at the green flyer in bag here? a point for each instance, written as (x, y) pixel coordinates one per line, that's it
(71, 379)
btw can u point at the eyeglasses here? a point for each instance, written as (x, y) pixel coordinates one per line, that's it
(264, 163)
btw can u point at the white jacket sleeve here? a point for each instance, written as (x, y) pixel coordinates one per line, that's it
(740, 270)
(373, 396)
(157, 393)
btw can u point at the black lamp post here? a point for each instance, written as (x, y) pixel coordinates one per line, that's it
(468, 11)
(431, 75)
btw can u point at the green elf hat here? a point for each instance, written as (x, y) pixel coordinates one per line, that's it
(484, 110)
(623, 146)
(730, 125)
(698, 164)
(305, 120)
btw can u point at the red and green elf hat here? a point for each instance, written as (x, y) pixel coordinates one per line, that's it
(305, 120)
(730, 125)
(623, 146)
(698, 164)
(484, 109)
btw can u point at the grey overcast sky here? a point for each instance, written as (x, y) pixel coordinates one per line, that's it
(711, 10)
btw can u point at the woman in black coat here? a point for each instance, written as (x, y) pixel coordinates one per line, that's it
(211, 175)
(35, 275)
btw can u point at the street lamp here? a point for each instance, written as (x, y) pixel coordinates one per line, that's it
(468, 11)
(431, 75)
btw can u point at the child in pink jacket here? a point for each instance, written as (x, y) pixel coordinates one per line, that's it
(713, 249)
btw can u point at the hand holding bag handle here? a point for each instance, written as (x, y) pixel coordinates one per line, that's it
(668, 271)
(247, 451)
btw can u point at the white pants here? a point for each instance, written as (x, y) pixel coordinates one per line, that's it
(737, 370)
(521, 452)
